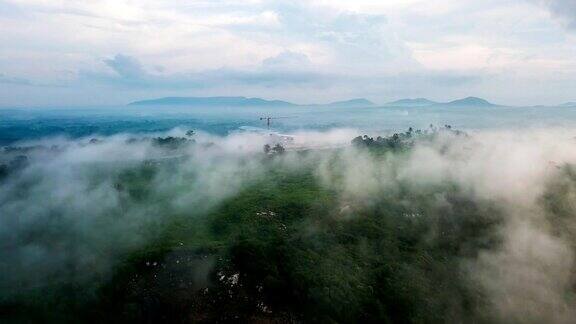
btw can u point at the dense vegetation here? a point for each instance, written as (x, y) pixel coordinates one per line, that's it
(288, 249)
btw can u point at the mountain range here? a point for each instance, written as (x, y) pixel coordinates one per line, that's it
(259, 102)
(422, 102)
(361, 102)
(240, 102)
(211, 101)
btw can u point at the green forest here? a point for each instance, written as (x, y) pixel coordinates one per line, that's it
(284, 246)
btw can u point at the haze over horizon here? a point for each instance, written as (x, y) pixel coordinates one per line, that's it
(511, 52)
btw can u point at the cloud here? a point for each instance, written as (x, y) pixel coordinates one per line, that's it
(287, 59)
(565, 10)
(286, 68)
(354, 41)
(126, 66)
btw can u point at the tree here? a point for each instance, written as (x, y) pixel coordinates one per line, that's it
(279, 149)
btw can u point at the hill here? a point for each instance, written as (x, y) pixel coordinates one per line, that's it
(418, 102)
(423, 102)
(241, 102)
(211, 101)
(361, 102)
(469, 102)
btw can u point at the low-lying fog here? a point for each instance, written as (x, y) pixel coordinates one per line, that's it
(65, 218)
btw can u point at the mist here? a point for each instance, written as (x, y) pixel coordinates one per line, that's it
(75, 210)
(529, 277)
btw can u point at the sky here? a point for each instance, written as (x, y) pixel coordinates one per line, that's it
(112, 52)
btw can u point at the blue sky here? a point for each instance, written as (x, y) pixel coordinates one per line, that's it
(88, 52)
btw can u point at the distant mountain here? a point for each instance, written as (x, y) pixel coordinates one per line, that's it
(418, 102)
(211, 101)
(568, 104)
(240, 102)
(469, 102)
(423, 102)
(361, 102)
(259, 102)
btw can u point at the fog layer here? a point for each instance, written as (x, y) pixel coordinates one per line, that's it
(69, 216)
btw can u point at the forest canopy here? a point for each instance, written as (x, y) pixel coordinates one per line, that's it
(421, 226)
